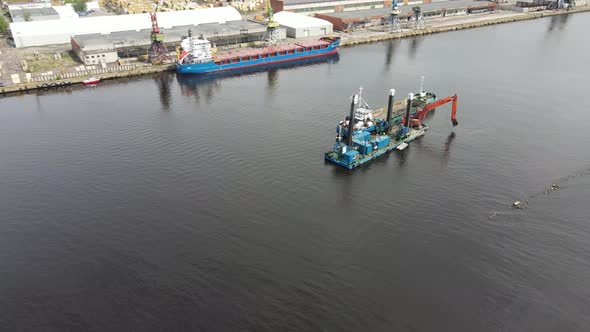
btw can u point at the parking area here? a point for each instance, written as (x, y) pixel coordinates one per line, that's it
(9, 61)
(39, 59)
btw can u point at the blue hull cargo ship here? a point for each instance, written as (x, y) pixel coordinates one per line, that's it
(196, 56)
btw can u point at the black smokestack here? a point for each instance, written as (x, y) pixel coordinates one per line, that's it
(408, 108)
(390, 107)
(351, 121)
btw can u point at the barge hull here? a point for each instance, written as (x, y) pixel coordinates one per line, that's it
(333, 156)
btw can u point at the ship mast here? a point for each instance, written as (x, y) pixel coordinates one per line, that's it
(421, 91)
(362, 102)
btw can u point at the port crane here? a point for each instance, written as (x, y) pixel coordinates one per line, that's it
(393, 17)
(272, 35)
(158, 52)
(418, 117)
(419, 18)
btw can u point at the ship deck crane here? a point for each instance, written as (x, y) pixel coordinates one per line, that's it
(418, 117)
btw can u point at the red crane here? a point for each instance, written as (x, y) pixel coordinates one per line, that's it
(158, 53)
(416, 119)
(155, 28)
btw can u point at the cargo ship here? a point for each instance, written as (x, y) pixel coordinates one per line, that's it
(196, 56)
(363, 136)
(190, 83)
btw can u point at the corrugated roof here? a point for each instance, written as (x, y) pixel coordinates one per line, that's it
(406, 10)
(60, 31)
(294, 20)
(34, 12)
(319, 2)
(97, 41)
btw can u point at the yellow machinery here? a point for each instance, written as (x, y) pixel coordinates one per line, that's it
(272, 36)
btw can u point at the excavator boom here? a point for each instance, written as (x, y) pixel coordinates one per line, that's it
(421, 114)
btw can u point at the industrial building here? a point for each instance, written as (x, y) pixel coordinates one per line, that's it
(106, 48)
(538, 5)
(311, 7)
(34, 14)
(300, 26)
(374, 17)
(39, 33)
(12, 5)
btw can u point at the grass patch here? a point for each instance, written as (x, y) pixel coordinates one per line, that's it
(46, 62)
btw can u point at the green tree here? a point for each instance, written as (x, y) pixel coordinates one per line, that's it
(3, 24)
(27, 15)
(79, 6)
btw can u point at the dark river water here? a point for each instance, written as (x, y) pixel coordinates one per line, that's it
(160, 204)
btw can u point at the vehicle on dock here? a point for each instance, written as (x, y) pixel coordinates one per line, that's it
(363, 137)
(91, 81)
(196, 55)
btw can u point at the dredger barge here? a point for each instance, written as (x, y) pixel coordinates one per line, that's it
(364, 135)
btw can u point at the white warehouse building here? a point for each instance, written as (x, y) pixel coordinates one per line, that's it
(300, 26)
(60, 31)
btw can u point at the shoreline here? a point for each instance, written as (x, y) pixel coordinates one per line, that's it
(382, 36)
(32, 86)
(347, 41)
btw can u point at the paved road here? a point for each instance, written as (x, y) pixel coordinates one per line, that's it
(10, 60)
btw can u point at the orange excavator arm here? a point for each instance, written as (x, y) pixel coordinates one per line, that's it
(421, 114)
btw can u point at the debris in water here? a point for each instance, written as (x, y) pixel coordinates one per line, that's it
(520, 204)
(553, 187)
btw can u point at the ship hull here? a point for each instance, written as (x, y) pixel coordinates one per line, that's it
(336, 157)
(213, 67)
